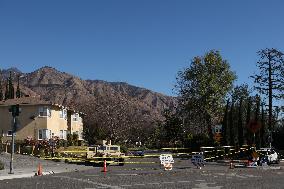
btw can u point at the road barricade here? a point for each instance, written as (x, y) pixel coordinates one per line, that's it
(198, 160)
(167, 161)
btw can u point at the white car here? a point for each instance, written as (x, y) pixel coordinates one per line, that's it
(269, 155)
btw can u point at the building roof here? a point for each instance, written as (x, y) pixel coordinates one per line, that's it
(33, 100)
(25, 101)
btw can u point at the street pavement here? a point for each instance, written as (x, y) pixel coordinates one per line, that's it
(147, 173)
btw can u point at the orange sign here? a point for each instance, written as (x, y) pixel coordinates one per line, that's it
(218, 137)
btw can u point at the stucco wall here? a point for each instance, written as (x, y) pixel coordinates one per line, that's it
(30, 122)
(77, 126)
(55, 123)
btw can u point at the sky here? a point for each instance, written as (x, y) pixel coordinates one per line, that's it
(141, 42)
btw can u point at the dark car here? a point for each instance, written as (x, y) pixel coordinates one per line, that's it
(137, 152)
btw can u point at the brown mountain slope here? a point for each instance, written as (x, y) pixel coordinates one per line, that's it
(116, 109)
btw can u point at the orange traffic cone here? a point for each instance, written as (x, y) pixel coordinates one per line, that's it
(105, 167)
(39, 170)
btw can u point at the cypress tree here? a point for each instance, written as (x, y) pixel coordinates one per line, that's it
(240, 124)
(262, 129)
(257, 109)
(18, 92)
(11, 93)
(248, 135)
(225, 125)
(1, 90)
(7, 90)
(231, 124)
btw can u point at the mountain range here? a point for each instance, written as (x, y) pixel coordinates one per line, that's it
(99, 100)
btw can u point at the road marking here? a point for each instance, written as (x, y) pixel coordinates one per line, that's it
(89, 182)
(183, 181)
(168, 182)
(139, 184)
(126, 185)
(154, 183)
(204, 186)
(126, 174)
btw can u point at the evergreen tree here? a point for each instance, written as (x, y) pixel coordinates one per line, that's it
(262, 129)
(11, 93)
(1, 89)
(232, 125)
(7, 90)
(248, 134)
(270, 80)
(225, 125)
(240, 124)
(18, 92)
(257, 111)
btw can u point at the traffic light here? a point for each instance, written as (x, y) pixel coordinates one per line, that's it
(15, 109)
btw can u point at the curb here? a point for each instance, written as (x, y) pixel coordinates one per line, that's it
(6, 177)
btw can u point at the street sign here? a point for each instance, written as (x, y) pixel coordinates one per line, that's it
(166, 158)
(198, 160)
(254, 126)
(218, 137)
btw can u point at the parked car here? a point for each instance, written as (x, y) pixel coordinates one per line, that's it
(268, 155)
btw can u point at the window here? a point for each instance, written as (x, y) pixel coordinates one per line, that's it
(44, 134)
(102, 148)
(44, 112)
(76, 117)
(63, 134)
(63, 114)
(113, 148)
(9, 133)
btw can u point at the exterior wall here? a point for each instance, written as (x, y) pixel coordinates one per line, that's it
(57, 124)
(30, 122)
(77, 126)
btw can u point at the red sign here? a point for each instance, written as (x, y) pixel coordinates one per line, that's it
(254, 126)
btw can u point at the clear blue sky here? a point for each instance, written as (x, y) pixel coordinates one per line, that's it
(142, 42)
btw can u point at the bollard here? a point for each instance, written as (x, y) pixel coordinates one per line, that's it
(231, 165)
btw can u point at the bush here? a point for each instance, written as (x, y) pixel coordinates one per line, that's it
(1, 165)
(123, 149)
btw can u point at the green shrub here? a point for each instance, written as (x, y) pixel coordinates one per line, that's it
(123, 149)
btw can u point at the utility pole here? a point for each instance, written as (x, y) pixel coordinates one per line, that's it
(15, 110)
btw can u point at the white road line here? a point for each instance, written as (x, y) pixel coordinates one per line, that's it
(168, 182)
(183, 181)
(126, 174)
(154, 183)
(126, 185)
(139, 184)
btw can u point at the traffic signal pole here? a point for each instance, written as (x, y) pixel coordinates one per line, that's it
(13, 146)
(15, 110)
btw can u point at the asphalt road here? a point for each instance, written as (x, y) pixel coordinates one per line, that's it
(149, 174)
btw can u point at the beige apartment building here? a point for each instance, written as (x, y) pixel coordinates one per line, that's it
(39, 119)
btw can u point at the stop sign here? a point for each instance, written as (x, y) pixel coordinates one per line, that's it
(254, 126)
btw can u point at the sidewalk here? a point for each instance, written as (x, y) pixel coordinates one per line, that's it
(30, 172)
